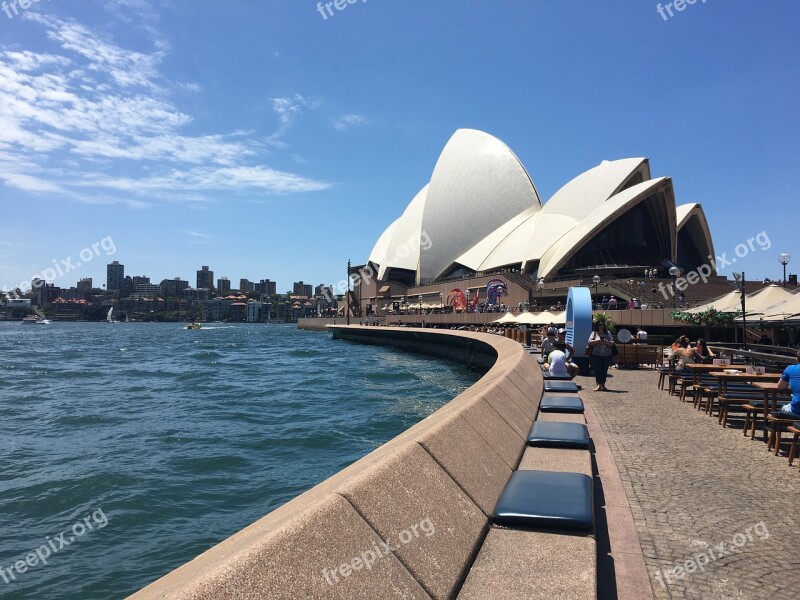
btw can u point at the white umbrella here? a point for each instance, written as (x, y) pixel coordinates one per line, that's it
(509, 318)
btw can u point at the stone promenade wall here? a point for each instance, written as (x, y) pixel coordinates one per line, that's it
(408, 519)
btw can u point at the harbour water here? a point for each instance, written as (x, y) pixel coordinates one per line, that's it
(146, 444)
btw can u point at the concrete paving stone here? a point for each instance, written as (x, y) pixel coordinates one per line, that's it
(692, 485)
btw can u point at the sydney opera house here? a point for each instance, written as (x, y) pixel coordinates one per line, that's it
(480, 217)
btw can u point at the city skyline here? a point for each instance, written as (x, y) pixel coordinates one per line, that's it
(220, 135)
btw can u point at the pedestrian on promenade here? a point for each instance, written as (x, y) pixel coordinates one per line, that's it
(791, 379)
(600, 343)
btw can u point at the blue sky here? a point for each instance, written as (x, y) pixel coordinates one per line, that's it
(265, 141)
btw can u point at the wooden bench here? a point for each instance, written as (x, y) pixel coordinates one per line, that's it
(636, 355)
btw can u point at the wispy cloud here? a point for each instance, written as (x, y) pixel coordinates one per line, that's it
(345, 122)
(93, 121)
(288, 109)
(195, 237)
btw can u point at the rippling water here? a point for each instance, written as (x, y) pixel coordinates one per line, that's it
(168, 441)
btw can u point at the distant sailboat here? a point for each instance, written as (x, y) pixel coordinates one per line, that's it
(109, 317)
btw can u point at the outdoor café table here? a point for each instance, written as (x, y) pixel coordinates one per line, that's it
(749, 378)
(697, 370)
(771, 392)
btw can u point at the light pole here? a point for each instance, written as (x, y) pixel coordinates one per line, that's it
(596, 280)
(348, 292)
(466, 309)
(540, 285)
(784, 259)
(420, 304)
(674, 271)
(740, 284)
(441, 301)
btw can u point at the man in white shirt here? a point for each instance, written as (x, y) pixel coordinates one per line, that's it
(641, 335)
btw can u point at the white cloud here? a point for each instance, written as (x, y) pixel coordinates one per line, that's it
(89, 117)
(345, 122)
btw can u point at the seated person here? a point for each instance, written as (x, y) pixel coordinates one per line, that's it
(683, 355)
(547, 343)
(557, 364)
(702, 353)
(641, 335)
(791, 379)
(571, 366)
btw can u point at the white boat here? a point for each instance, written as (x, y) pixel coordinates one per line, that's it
(30, 320)
(109, 318)
(43, 321)
(194, 326)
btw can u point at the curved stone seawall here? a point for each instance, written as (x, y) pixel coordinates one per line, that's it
(405, 521)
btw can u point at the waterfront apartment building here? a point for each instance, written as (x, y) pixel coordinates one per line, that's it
(205, 278)
(223, 286)
(302, 289)
(191, 293)
(268, 288)
(84, 285)
(246, 286)
(138, 280)
(146, 290)
(115, 276)
(173, 287)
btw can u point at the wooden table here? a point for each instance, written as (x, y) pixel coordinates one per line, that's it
(750, 378)
(771, 393)
(697, 370)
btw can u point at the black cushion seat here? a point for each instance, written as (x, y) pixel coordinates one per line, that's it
(561, 404)
(546, 500)
(552, 434)
(549, 377)
(560, 386)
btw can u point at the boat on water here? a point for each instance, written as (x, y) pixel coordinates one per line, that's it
(109, 316)
(194, 326)
(35, 320)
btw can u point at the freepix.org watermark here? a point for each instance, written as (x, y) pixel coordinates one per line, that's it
(678, 5)
(64, 266)
(368, 557)
(700, 561)
(704, 271)
(54, 545)
(326, 8)
(15, 7)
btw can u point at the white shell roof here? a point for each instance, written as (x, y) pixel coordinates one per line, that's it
(684, 213)
(601, 216)
(477, 186)
(582, 195)
(403, 246)
(479, 190)
(529, 235)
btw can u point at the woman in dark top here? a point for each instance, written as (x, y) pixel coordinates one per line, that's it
(600, 343)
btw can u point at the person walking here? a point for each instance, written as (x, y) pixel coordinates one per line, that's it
(600, 343)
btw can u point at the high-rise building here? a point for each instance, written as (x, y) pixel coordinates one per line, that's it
(140, 280)
(173, 287)
(84, 285)
(302, 289)
(246, 286)
(324, 291)
(115, 276)
(205, 278)
(267, 288)
(223, 286)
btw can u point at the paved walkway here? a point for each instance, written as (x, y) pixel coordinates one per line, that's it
(717, 515)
